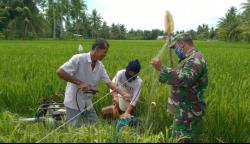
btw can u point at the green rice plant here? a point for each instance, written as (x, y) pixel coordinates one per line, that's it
(28, 77)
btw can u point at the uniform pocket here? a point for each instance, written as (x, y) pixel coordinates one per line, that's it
(198, 109)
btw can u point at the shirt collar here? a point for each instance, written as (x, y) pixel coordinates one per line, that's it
(89, 59)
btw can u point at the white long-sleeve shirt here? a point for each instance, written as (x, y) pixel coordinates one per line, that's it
(133, 88)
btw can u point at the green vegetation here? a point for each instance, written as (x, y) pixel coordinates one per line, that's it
(34, 19)
(28, 77)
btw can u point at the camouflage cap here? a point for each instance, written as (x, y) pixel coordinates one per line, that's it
(178, 37)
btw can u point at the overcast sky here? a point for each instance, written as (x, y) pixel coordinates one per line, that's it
(149, 14)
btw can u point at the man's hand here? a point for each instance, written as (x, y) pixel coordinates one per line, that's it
(83, 87)
(114, 93)
(156, 63)
(127, 97)
(126, 115)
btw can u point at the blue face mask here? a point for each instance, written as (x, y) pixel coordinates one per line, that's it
(180, 53)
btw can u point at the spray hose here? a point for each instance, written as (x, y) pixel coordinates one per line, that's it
(159, 53)
(91, 91)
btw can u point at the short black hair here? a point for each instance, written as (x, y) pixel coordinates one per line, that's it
(100, 43)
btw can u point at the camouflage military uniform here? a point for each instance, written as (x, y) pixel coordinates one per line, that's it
(188, 82)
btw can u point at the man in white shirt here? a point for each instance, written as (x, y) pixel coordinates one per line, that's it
(129, 81)
(82, 73)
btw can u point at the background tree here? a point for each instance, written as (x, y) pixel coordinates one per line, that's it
(228, 27)
(21, 19)
(28, 19)
(245, 21)
(95, 21)
(135, 34)
(202, 32)
(105, 31)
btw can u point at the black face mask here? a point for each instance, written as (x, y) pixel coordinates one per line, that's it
(129, 77)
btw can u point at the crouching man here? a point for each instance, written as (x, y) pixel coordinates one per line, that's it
(129, 81)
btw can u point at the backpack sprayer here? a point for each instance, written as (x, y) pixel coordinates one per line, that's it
(52, 112)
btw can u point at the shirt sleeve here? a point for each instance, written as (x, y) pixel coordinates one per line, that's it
(104, 75)
(115, 81)
(136, 94)
(184, 77)
(71, 65)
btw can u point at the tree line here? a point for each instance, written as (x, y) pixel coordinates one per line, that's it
(66, 19)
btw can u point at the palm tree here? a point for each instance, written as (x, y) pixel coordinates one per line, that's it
(20, 18)
(52, 15)
(65, 11)
(203, 31)
(245, 21)
(105, 31)
(96, 21)
(123, 31)
(114, 31)
(78, 16)
(228, 27)
(246, 5)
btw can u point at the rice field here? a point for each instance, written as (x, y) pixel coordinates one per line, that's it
(28, 76)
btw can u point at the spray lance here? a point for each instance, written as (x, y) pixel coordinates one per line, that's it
(169, 28)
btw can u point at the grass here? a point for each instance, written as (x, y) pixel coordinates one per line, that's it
(28, 77)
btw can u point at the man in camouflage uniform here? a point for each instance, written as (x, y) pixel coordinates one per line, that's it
(188, 82)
